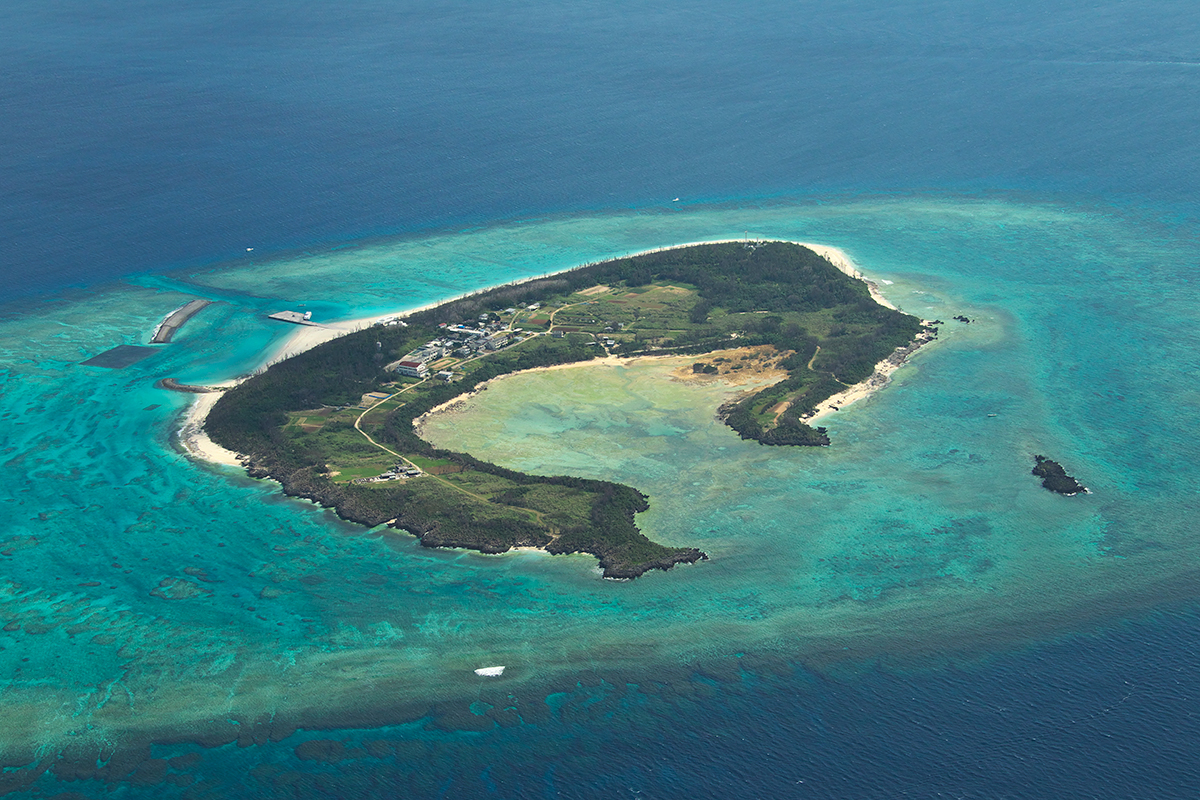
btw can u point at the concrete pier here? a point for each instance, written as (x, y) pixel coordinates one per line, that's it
(294, 317)
(174, 321)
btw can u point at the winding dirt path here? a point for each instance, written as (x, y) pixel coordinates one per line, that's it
(537, 515)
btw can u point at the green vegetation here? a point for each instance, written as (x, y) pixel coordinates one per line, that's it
(305, 421)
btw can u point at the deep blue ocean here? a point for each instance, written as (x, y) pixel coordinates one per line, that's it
(147, 146)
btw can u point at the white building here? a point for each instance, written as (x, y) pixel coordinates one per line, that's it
(413, 369)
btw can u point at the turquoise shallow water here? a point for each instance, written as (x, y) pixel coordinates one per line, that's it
(919, 534)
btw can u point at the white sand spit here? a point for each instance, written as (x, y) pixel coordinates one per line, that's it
(490, 672)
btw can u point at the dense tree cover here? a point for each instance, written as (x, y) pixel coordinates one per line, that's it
(737, 276)
(784, 279)
(249, 417)
(743, 279)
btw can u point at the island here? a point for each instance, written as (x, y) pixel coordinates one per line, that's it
(1055, 478)
(339, 424)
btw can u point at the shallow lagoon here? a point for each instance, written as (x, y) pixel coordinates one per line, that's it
(919, 535)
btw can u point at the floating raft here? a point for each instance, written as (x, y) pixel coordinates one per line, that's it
(174, 321)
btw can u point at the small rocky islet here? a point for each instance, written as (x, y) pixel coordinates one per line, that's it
(1055, 478)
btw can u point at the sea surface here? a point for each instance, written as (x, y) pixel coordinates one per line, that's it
(905, 614)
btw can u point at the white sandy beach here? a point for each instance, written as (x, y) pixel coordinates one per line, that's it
(306, 337)
(194, 438)
(880, 378)
(192, 435)
(197, 443)
(835, 255)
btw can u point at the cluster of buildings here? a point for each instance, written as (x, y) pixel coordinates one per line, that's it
(396, 473)
(463, 340)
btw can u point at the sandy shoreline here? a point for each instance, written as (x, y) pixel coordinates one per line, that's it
(192, 436)
(306, 337)
(195, 439)
(880, 378)
(197, 443)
